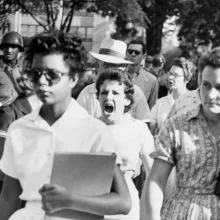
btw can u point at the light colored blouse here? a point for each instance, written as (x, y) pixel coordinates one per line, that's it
(31, 144)
(133, 140)
(161, 110)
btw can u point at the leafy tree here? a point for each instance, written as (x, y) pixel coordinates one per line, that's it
(199, 22)
(5, 10)
(50, 14)
(149, 14)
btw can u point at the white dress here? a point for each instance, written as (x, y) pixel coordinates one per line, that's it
(133, 139)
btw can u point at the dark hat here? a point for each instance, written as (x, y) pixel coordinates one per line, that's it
(158, 60)
(13, 38)
(148, 59)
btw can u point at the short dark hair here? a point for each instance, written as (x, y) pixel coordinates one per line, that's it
(138, 42)
(57, 42)
(122, 77)
(186, 65)
(212, 58)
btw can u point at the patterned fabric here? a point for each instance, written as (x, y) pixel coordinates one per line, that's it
(88, 100)
(186, 102)
(149, 85)
(186, 142)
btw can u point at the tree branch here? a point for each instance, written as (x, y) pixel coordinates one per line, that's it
(48, 13)
(71, 18)
(63, 25)
(24, 8)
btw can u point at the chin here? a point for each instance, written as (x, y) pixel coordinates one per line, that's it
(108, 119)
(46, 101)
(214, 110)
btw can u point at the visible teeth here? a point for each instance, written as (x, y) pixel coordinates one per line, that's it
(109, 108)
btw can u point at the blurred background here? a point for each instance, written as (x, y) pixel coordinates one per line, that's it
(171, 27)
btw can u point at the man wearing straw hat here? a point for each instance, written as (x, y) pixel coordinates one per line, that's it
(112, 54)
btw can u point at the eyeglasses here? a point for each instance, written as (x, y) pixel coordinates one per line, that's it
(136, 52)
(51, 75)
(175, 75)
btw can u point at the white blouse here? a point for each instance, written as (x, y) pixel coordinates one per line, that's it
(31, 144)
(161, 110)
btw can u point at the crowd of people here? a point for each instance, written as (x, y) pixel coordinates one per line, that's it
(166, 138)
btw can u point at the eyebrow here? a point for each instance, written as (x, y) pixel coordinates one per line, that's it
(205, 81)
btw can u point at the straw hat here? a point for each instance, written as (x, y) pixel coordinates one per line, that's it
(112, 51)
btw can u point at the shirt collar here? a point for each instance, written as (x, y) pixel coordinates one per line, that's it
(74, 110)
(3, 65)
(195, 113)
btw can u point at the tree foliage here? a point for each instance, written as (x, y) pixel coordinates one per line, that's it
(50, 14)
(149, 14)
(199, 22)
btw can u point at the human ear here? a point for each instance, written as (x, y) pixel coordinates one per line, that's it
(74, 80)
(127, 102)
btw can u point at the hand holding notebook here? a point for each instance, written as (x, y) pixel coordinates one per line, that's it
(80, 174)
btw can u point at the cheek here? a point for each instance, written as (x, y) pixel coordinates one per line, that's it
(100, 98)
(203, 93)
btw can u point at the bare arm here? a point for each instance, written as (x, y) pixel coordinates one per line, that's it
(147, 149)
(115, 202)
(9, 200)
(155, 188)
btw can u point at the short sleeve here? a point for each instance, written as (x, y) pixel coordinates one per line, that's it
(147, 147)
(81, 97)
(7, 161)
(165, 143)
(105, 142)
(154, 113)
(147, 143)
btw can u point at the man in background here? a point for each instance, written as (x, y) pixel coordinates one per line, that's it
(12, 96)
(112, 54)
(136, 51)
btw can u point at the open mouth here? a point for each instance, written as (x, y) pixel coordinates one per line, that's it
(108, 107)
(171, 83)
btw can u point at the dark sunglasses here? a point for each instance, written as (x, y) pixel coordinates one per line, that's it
(136, 52)
(51, 75)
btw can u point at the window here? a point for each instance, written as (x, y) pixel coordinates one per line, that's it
(86, 33)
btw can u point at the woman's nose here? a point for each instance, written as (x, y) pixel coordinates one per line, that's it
(109, 95)
(170, 76)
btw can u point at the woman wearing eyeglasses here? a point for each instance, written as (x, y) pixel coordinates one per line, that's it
(134, 141)
(60, 125)
(178, 76)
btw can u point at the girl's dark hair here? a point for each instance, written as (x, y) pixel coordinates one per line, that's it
(57, 42)
(122, 77)
(186, 65)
